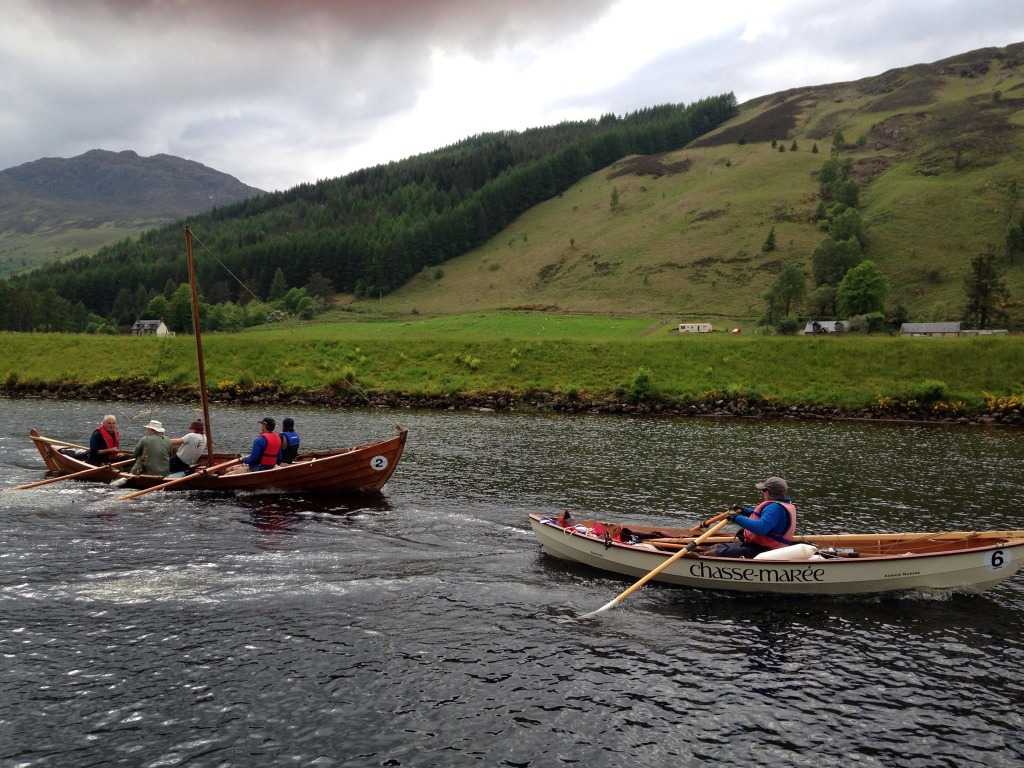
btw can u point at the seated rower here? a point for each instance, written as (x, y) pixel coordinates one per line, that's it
(189, 449)
(290, 441)
(104, 442)
(153, 452)
(769, 525)
(266, 449)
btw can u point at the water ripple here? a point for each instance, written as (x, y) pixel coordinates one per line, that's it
(422, 628)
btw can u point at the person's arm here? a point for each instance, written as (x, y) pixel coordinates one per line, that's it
(96, 443)
(98, 446)
(258, 446)
(770, 519)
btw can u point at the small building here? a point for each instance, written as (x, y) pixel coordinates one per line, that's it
(150, 328)
(695, 327)
(930, 329)
(824, 326)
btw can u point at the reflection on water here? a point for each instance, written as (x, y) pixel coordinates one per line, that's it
(419, 627)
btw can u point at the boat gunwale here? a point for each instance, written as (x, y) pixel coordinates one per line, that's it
(998, 538)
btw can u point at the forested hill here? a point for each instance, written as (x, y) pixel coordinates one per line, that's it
(367, 232)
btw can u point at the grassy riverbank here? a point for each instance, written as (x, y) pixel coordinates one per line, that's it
(618, 359)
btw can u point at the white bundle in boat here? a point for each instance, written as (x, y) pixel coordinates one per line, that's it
(792, 552)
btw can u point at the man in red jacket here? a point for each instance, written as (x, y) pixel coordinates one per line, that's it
(266, 449)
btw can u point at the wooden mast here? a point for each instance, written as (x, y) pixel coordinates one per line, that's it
(199, 346)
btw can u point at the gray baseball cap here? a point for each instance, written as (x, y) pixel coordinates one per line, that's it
(777, 487)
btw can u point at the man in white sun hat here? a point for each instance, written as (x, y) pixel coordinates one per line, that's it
(153, 452)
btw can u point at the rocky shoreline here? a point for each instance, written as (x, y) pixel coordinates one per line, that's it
(140, 391)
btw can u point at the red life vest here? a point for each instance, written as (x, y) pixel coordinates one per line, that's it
(112, 440)
(772, 540)
(269, 457)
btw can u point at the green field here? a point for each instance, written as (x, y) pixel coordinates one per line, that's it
(574, 356)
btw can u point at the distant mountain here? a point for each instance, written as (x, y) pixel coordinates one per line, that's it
(56, 206)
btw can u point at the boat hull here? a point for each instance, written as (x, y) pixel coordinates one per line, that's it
(968, 562)
(360, 469)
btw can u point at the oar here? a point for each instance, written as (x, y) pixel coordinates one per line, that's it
(689, 548)
(716, 518)
(81, 473)
(178, 480)
(51, 441)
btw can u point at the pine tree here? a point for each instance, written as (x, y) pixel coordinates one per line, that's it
(985, 289)
(278, 286)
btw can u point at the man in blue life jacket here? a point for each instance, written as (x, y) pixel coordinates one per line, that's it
(289, 441)
(266, 449)
(769, 525)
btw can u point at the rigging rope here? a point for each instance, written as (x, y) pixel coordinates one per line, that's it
(327, 363)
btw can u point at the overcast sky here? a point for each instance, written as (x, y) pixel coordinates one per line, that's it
(280, 92)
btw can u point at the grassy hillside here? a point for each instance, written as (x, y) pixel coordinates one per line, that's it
(56, 238)
(687, 242)
(935, 149)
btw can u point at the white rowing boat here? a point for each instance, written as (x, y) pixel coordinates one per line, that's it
(846, 564)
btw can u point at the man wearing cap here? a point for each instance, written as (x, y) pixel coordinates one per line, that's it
(189, 448)
(769, 525)
(266, 449)
(153, 452)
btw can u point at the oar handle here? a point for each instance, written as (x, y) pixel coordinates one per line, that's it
(716, 518)
(178, 480)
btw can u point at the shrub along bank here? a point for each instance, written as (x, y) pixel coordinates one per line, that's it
(960, 380)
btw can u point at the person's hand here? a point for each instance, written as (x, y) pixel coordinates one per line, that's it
(731, 517)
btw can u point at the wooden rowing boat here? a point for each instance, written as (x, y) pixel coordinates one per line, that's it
(358, 470)
(846, 564)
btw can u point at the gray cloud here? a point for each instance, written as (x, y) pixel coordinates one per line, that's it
(279, 93)
(819, 42)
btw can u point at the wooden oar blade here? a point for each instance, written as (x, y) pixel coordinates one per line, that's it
(606, 607)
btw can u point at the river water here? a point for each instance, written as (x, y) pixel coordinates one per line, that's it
(422, 628)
